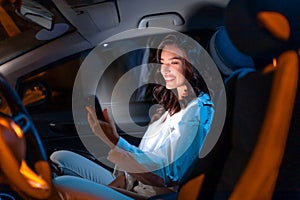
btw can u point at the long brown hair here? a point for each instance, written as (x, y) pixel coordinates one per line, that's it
(168, 98)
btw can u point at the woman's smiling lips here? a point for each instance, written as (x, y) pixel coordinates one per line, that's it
(169, 78)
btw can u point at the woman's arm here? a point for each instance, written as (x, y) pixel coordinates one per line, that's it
(109, 135)
(149, 178)
(126, 161)
(119, 182)
(167, 164)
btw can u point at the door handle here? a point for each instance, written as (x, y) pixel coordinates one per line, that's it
(62, 127)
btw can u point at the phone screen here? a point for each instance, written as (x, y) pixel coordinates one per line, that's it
(93, 101)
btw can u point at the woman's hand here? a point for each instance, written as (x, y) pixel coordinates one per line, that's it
(105, 130)
(119, 182)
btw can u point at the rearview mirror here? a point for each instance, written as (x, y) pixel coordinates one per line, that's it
(36, 13)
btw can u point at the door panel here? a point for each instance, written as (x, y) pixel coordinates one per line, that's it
(53, 115)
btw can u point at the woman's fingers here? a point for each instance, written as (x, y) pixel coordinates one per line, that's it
(105, 114)
(94, 115)
(91, 114)
(92, 119)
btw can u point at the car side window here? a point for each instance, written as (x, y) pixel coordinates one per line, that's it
(50, 88)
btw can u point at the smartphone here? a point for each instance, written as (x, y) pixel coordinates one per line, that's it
(93, 102)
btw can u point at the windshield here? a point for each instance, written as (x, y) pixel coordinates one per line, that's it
(19, 35)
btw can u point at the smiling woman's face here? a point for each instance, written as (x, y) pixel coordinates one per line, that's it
(172, 66)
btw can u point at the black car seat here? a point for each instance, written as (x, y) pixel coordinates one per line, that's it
(271, 32)
(263, 161)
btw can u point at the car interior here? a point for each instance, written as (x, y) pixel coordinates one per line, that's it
(254, 44)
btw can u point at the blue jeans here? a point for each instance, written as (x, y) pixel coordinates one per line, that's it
(70, 163)
(83, 175)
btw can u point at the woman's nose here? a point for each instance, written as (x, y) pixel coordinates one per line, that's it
(165, 69)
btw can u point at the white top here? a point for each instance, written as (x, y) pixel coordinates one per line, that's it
(169, 147)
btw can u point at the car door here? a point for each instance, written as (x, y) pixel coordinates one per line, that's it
(47, 94)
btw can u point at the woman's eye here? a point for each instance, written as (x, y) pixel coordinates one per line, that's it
(175, 63)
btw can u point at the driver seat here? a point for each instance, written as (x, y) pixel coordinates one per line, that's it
(264, 160)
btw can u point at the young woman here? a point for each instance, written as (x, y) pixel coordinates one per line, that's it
(172, 141)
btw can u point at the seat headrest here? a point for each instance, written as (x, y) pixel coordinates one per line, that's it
(226, 56)
(263, 27)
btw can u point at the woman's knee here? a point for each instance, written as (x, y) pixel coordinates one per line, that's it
(70, 163)
(67, 162)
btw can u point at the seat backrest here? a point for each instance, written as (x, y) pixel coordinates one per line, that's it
(260, 174)
(259, 141)
(288, 182)
(263, 155)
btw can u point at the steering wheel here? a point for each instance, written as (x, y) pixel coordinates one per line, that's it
(16, 132)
